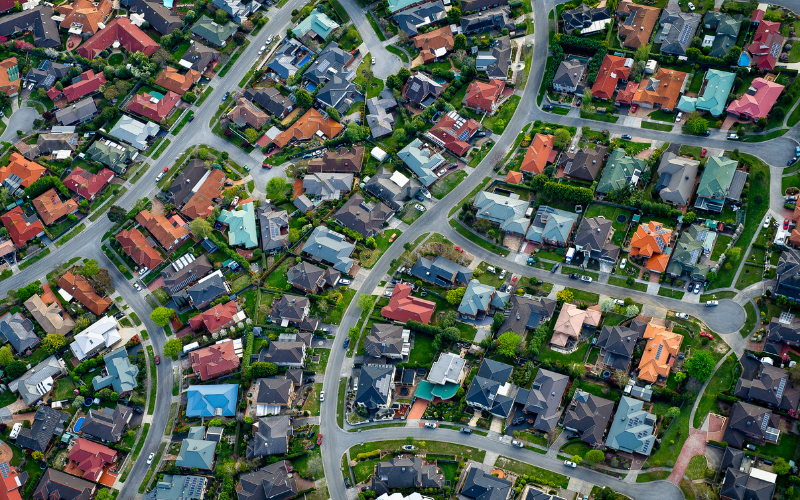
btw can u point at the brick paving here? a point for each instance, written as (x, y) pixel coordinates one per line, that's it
(695, 445)
(417, 410)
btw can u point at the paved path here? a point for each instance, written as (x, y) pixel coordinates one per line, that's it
(695, 444)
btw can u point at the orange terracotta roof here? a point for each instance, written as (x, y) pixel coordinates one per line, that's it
(659, 354)
(662, 91)
(245, 112)
(537, 154)
(215, 360)
(77, 286)
(611, 71)
(85, 13)
(657, 263)
(48, 297)
(434, 44)
(21, 228)
(51, 208)
(91, 458)
(167, 235)
(514, 177)
(307, 126)
(26, 170)
(215, 318)
(9, 76)
(136, 246)
(403, 307)
(482, 96)
(637, 31)
(172, 79)
(650, 239)
(201, 203)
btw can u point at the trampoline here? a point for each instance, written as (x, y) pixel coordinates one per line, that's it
(622, 218)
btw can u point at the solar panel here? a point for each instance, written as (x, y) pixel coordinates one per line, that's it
(658, 352)
(781, 387)
(764, 422)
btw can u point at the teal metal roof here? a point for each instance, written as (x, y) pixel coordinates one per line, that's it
(241, 226)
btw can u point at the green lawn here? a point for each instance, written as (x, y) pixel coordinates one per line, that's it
(576, 357)
(443, 187)
(616, 281)
(277, 278)
(497, 123)
(584, 296)
(662, 116)
(467, 331)
(463, 231)
(63, 389)
(720, 382)
(668, 292)
(750, 322)
(312, 404)
(693, 151)
(575, 448)
(720, 246)
(610, 213)
(750, 274)
(673, 440)
(364, 470)
(466, 452)
(488, 278)
(663, 127)
(646, 477)
(536, 474)
(786, 447)
(697, 467)
(423, 351)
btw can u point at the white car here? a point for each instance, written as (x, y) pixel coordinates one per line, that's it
(518, 444)
(150, 458)
(15, 430)
(570, 463)
(373, 61)
(408, 447)
(619, 302)
(419, 207)
(503, 274)
(136, 286)
(322, 395)
(682, 315)
(697, 288)
(766, 221)
(712, 303)
(424, 192)
(262, 49)
(344, 282)
(431, 425)
(587, 279)
(691, 6)
(678, 118)
(623, 263)
(158, 178)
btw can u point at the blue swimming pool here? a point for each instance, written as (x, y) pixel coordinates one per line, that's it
(78, 425)
(304, 61)
(744, 59)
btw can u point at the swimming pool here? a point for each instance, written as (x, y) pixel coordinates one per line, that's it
(78, 425)
(744, 59)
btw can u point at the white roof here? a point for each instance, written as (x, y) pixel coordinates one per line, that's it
(399, 179)
(763, 475)
(378, 153)
(103, 333)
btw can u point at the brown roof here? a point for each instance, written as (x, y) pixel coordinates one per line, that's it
(51, 208)
(307, 126)
(434, 44)
(246, 113)
(50, 316)
(77, 286)
(165, 233)
(85, 13)
(637, 31)
(343, 160)
(172, 79)
(136, 246)
(202, 202)
(663, 90)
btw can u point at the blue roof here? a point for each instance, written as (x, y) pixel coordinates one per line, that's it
(212, 400)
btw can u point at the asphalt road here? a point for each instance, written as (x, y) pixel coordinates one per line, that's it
(386, 63)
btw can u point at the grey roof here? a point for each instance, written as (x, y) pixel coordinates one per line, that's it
(187, 182)
(551, 225)
(47, 422)
(271, 437)
(199, 56)
(307, 276)
(17, 330)
(37, 381)
(77, 112)
(677, 30)
(379, 119)
(330, 246)
(497, 208)
(481, 392)
(589, 415)
(676, 178)
(495, 370)
(39, 20)
(449, 366)
(746, 419)
(501, 52)
(422, 15)
(374, 385)
(400, 472)
(292, 308)
(484, 391)
(497, 19)
(121, 373)
(46, 74)
(55, 484)
(176, 277)
(770, 385)
(393, 188)
(302, 203)
(274, 228)
(569, 73)
(727, 31)
(327, 185)
(273, 482)
(362, 216)
(384, 339)
(289, 58)
(284, 353)
(338, 93)
(275, 391)
(330, 63)
(480, 298)
(161, 18)
(107, 424)
(196, 453)
(271, 99)
(583, 164)
(422, 90)
(593, 236)
(739, 485)
(172, 487)
(632, 428)
(422, 160)
(237, 9)
(583, 16)
(441, 271)
(737, 184)
(788, 274)
(479, 485)
(476, 5)
(133, 131)
(211, 288)
(527, 314)
(618, 343)
(544, 398)
(731, 457)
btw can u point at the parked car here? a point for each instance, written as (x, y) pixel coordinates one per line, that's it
(619, 302)
(691, 6)
(682, 315)
(225, 97)
(346, 342)
(408, 447)
(373, 61)
(322, 395)
(750, 447)
(703, 154)
(547, 107)
(555, 266)
(786, 223)
(634, 108)
(150, 458)
(570, 463)
(466, 430)
(696, 288)
(425, 193)
(766, 221)
(138, 410)
(706, 334)
(791, 161)
(587, 279)
(319, 439)
(712, 303)
(431, 425)
(575, 276)
(518, 420)
(503, 274)
(266, 165)
(159, 176)
(459, 249)
(158, 359)
(344, 282)
(623, 263)
(419, 207)
(627, 137)
(678, 118)
(518, 444)
(514, 280)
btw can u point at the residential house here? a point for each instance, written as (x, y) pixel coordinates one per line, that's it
(571, 321)
(551, 226)
(218, 317)
(480, 5)
(38, 21)
(293, 310)
(135, 245)
(271, 99)
(214, 361)
(406, 473)
(311, 124)
(331, 66)
(676, 178)
(497, 62)
(245, 113)
(273, 482)
(613, 71)
(119, 31)
(17, 330)
(364, 217)
(677, 30)
(374, 387)
(342, 160)
(38, 381)
(782, 330)
(757, 484)
(102, 334)
(636, 23)
(410, 20)
(387, 341)
(421, 90)
(393, 188)
(13, 481)
(86, 184)
(270, 437)
(47, 422)
(51, 208)
(616, 345)
(620, 171)
(154, 108)
(120, 373)
(449, 368)
(404, 307)
(22, 227)
(766, 46)
(588, 416)
(237, 9)
(726, 33)
(89, 83)
(397, 5)
(498, 19)
(241, 225)
(60, 144)
(201, 203)
(583, 164)
(196, 451)
(274, 229)
(758, 101)
(586, 20)
(20, 172)
(177, 83)
(659, 91)
(480, 300)
(527, 314)
(91, 458)
(214, 33)
(720, 182)
(167, 235)
(83, 16)
(788, 274)
(274, 395)
(311, 279)
(651, 241)
(379, 117)
(327, 186)
(112, 154)
(212, 400)
(696, 241)
(76, 286)
(184, 271)
(751, 423)
(422, 160)
(50, 316)
(208, 289)
(172, 487)
(107, 424)
(771, 386)
(543, 401)
(594, 240)
(484, 97)
(199, 57)
(133, 131)
(481, 485)
(538, 154)
(434, 44)
(324, 245)
(632, 429)
(713, 94)
(63, 486)
(441, 272)
(160, 17)
(569, 75)
(289, 58)
(508, 212)
(316, 26)
(490, 390)
(660, 353)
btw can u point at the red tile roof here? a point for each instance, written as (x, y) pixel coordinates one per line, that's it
(307, 126)
(86, 183)
(77, 286)
(759, 103)
(11, 485)
(434, 44)
(537, 154)
(7, 85)
(51, 208)
(91, 458)
(28, 171)
(201, 203)
(215, 360)
(215, 318)
(172, 79)
(90, 82)
(454, 133)
(146, 105)
(119, 30)
(758, 15)
(612, 70)
(165, 233)
(136, 246)
(403, 307)
(514, 177)
(767, 45)
(482, 96)
(21, 230)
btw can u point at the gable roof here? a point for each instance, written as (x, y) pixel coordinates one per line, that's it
(89, 83)
(21, 227)
(165, 233)
(212, 32)
(135, 245)
(37, 381)
(434, 44)
(317, 22)
(758, 101)
(78, 286)
(270, 437)
(50, 317)
(537, 154)
(87, 184)
(172, 80)
(241, 225)
(133, 131)
(201, 202)
(638, 24)
(374, 385)
(215, 360)
(102, 333)
(544, 398)
(310, 124)
(613, 69)
(632, 428)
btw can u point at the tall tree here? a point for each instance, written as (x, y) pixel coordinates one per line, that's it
(201, 228)
(162, 315)
(117, 213)
(90, 268)
(507, 344)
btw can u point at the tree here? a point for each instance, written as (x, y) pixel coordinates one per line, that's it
(607, 305)
(680, 377)
(162, 315)
(117, 213)
(365, 302)
(460, 42)
(101, 282)
(37, 455)
(507, 344)
(333, 113)
(594, 456)
(673, 412)
(53, 342)
(251, 135)
(189, 97)
(201, 228)
(586, 102)
(781, 467)
(697, 125)
(794, 372)
(221, 16)
(564, 296)
(689, 217)
(15, 369)
(700, 365)
(497, 321)
(454, 15)
(111, 92)
(161, 57)
(577, 459)
(261, 369)
(356, 132)
(447, 319)
(303, 98)
(6, 356)
(642, 53)
(562, 138)
(276, 188)
(631, 311)
(455, 295)
(90, 268)
(172, 348)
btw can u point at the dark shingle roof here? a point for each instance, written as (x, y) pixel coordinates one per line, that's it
(589, 415)
(479, 485)
(374, 385)
(107, 424)
(47, 423)
(271, 437)
(273, 482)
(544, 398)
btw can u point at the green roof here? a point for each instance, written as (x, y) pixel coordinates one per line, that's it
(241, 226)
(718, 85)
(215, 33)
(318, 22)
(110, 154)
(716, 178)
(428, 391)
(618, 171)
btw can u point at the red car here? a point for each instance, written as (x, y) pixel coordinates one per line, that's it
(786, 223)
(703, 154)
(634, 108)
(319, 438)
(166, 169)
(266, 165)
(706, 334)
(158, 359)
(459, 249)
(514, 280)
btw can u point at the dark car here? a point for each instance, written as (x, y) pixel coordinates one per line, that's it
(346, 342)
(547, 107)
(158, 359)
(138, 410)
(518, 421)
(225, 97)
(466, 430)
(626, 137)
(574, 276)
(191, 118)
(347, 482)
(707, 133)
(555, 266)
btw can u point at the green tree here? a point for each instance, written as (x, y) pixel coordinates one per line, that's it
(6, 355)
(680, 377)
(201, 228)
(261, 369)
(189, 97)
(697, 125)
(276, 188)
(507, 344)
(303, 98)
(251, 135)
(460, 42)
(497, 321)
(455, 295)
(162, 315)
(37, 455)
(117, 214)
(333, 113)
(577, 459)
(565, 296)
(15, 369)
(631, 311)
(781, 467)
(221, 16)
(355, 132)
(607, 305)
(454, 15)
(365, 302)
(172, 348)
(53, 342)
(689, 217)
(594, 456)
(562, 138)
(673, 412)
(700, 365)
(90, 268)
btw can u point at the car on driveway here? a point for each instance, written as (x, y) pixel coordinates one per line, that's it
(587, 279)
(634, 108)
(514, 280)
(623, 263)
(703, 154)
(626, 137)
(766, 222)
(697, 288)
(786, 223)
(459, 249)
(682, 315)
(419, 207)
(503, 274)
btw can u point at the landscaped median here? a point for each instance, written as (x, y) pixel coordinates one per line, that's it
(463, 231)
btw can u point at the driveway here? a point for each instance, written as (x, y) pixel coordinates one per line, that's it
(21, 119)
